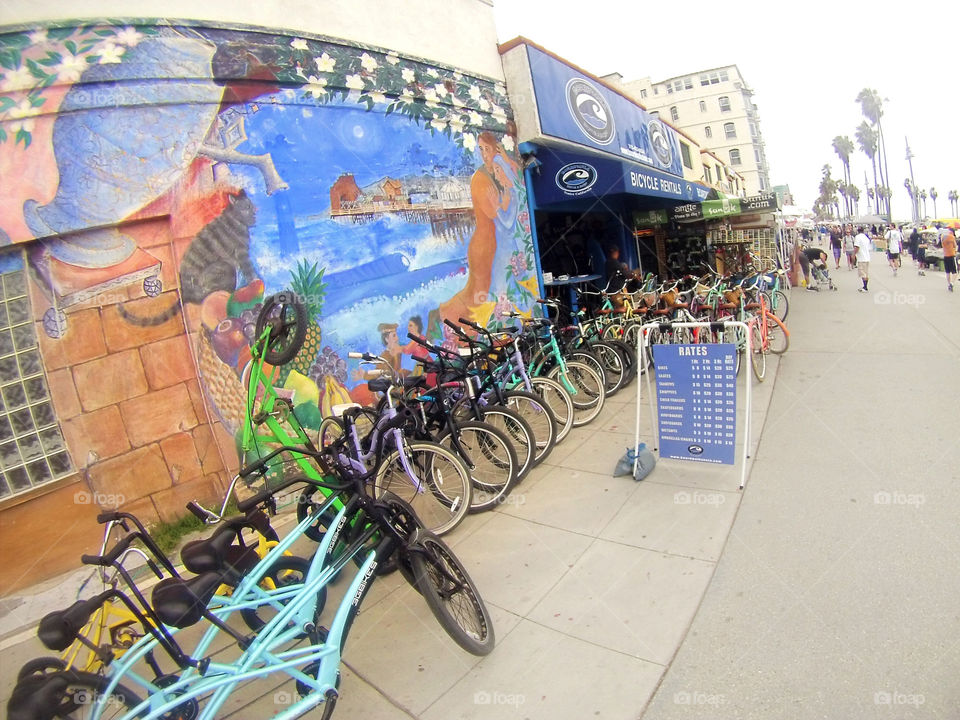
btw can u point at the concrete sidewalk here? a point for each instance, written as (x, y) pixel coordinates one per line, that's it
(837, 592)
(593, 582)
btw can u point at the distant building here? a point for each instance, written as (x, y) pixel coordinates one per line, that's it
(714, 107)
(344, 190)
(784, 194)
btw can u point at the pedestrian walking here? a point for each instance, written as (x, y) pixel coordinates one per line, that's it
(894, 239)
(848, 247)
(836, 244)
(915, 247)
(862, 243)
(949, 246)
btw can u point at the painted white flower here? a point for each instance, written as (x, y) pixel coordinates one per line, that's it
(441, 89)
(457, 124)
(457, 102)
(378, 97)
(368, 63)
(432, 104)
(316, 86)
(499, 114)
(408, 75)
(430, 95)
(325, 63)
(407, 95)
(484, 104)
(70, 68)
(393, 58)
(507, 143)
(475, 92)
(128, 36)
(38, 37)
(438, 125)
(19, 79)
(499, 89)
(433, 73)
(355, 82)
(475, 118)
(469, 142)
(298, 44)
(22, 115)
(457, 75)
(110, 53)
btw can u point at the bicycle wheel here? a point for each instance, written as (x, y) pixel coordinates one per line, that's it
(451, 595)
(439, 491)
(588, 358)
(758, 358)
(331, 428)
(493, 459)
(613, 366)
(778, 339)
(70, 694)
(518, 431)
(559, 402)
(287, 320)
(628, 357)
(588, 392)
(532, 409)
(779, 304)
(286, 570)
(612, 331)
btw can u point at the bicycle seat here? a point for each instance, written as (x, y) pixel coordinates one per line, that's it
(379, 384)
(180, 603)
(58, 630)
(219, 554)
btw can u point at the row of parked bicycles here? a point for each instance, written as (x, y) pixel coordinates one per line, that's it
(372, 492)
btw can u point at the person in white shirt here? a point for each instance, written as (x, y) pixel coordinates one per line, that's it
(894, 240)
(862, 243)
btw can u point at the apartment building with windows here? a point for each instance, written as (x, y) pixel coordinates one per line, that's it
(714, 107)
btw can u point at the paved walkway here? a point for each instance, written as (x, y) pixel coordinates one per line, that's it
(825, 600)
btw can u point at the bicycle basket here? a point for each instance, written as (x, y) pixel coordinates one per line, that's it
(669, 297)
(733, 296)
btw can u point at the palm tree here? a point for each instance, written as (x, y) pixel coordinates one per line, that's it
(952, 197)
(867, 140)
(828, 190)
(871, 105)
(933, 196)
(923, 196)
(853, 194)
(843, 146)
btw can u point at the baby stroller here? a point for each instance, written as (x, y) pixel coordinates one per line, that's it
(820, 276)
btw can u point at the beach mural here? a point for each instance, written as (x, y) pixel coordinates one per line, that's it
(385, 191)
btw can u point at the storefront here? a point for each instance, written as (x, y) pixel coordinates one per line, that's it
(598, 167)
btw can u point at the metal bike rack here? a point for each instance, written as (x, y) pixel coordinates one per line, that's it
(643, 344)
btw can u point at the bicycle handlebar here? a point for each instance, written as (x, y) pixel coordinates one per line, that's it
(111, 557)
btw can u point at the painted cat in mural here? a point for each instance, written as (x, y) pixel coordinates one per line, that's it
(218, 251)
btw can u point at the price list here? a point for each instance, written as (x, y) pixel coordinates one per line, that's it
(697, 401)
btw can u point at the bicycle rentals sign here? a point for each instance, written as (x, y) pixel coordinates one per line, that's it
(697, 401)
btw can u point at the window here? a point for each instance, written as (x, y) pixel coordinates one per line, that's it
(753, 130)
(703, 106)
(723, 76)
(704, 80)
(724, 103)
(32, 449)
(756, 154)
(669, 89)
(707, 175)
(729, 131)
(734, 157)
(707, 132)
(674, 115)
(713, 78)
(687, 83)
(655, 113)
(685, 153)
(643, 93)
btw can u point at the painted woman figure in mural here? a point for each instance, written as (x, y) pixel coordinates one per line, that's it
(494, 201)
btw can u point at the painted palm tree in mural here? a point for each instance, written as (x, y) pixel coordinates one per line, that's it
(871, 105)
(867, 140)
(843, 147)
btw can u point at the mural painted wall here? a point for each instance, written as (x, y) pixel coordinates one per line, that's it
(173, 170)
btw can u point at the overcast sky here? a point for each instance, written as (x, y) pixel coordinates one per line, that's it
(806, 65)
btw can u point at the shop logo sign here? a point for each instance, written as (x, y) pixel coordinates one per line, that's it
(576, 178)
(660, 142)
(695, 450)
(591, 111)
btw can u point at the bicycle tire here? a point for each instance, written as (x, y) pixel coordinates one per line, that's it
(628, 355)
(539, 416)
(445, 500)
(331, 428)
(613, 366)
(588, 358)
(495, 464)
(559, 402)
(61, 694)
(778, 338)
(41, 666)
(456, 602)
(286, 570)
(780, 304)
(612, 331)
(519, 432)
(288, 320)
(589, 394)
(758, 357)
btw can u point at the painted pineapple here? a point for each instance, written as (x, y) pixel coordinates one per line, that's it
(310, 289)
